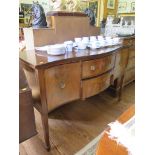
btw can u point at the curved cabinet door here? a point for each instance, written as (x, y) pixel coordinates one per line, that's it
(131, 63)
(121, 62)
(129, 76)
(62, 84)
(131, 52)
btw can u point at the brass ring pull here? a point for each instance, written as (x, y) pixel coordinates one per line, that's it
(92, 68)
(62, 85)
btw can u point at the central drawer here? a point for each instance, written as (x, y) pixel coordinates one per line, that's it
(96, 67)
(93, 86)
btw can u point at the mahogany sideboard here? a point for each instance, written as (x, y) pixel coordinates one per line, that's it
(130, 70)
(129, 58)
(56, 80)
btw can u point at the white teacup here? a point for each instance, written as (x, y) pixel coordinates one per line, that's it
(93, 38)
(108, 38)
(85, 39)
(68, 46)
(95, 44)
(100, 37)
(116, 40)
(77, 40)
(110, 42)
(81, 45)
(102, 43)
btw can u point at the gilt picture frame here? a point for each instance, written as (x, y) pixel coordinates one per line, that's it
(111, 4)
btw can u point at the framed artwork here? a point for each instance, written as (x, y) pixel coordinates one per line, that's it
(94, 7)
(70, 5)
(81, 6)
(26, 8)
(126, 6)
(133, 7)
(111, 4)
(55, 5)
(122, 7)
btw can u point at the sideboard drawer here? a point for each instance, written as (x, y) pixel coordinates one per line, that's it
(62, 84)
(126, 42)
(133, 41)
(129, 42)
(93, 86)
(97, 66)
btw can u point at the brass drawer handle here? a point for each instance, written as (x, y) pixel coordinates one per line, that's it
(62, 85)
(92, 68)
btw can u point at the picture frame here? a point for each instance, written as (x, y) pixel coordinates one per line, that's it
(111, 4)
(94, 6)
(122, 7)
(133, 7)
(26, 8)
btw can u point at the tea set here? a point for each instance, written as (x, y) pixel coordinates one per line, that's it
(92, 42)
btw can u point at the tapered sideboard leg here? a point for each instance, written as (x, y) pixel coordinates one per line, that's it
(44, 118)
(121, 87)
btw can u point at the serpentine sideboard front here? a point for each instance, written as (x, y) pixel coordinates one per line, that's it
(56, 80)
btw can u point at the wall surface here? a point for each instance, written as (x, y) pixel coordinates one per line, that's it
(103, 11)
(108, 11)
(44, 3)
(116, 11)
(126, 6)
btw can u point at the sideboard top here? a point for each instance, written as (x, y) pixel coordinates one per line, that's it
(40, 59)
(65, 13)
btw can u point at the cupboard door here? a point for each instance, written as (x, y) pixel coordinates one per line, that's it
(129, 76)
(131, 52)
(131, 63)
(96, 67)
(62, 84)
(94, 86)
(121, 62)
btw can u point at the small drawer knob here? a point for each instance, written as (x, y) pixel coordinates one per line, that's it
(92, 68)
(62, 85)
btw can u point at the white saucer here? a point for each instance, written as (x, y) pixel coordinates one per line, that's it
(57, 49)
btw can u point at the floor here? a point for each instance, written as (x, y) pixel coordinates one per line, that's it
(75, 124)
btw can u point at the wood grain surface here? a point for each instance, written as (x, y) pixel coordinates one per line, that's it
(97, 66)
(62, 79)
(95, 85)
(62, 84)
